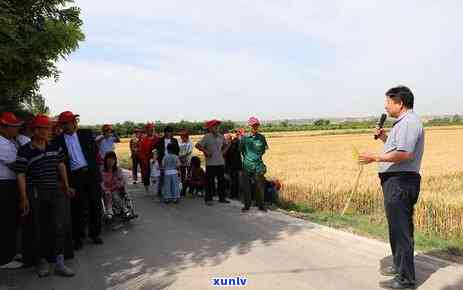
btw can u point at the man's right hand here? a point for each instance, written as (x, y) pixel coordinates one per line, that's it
(24, 206)
(380, 133)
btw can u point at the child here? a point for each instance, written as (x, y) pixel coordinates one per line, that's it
(170, 165)
(196, 177)
(186, 149)
(155, 172)
(113, 184)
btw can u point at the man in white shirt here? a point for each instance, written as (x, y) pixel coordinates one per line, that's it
(9, 194)
(84, 174)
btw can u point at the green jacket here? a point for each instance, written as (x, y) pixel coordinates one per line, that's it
(253, 147)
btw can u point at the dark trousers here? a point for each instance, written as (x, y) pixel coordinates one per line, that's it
(213, 172)
(135, 164)
(145, 169)
(44, 226)
(86, 206)
(250, 181)
(183, 175)
(400, 195)
(235, 183)
(9, 197)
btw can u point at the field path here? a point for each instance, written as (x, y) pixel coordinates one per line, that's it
(184, 246)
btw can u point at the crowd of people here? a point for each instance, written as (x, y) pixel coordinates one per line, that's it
(60, 182)
(233, 164)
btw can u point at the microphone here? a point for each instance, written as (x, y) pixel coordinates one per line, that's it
(381, 124)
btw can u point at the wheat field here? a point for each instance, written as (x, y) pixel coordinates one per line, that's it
(319, 170)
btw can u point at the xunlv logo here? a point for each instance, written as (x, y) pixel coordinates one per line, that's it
(229, 282)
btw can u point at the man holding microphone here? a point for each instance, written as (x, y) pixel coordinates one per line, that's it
(399, 167)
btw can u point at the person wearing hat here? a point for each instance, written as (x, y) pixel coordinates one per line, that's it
(147, 144)
(399, 173)
(9, 194)
(81, 161)
(107, 140)
(253, 147)
(134, 147)
(213, 146)
(39, 166)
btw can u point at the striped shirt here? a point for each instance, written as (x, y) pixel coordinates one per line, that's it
(39, 166)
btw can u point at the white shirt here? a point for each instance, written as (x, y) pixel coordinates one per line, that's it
(106, 144)
(186, 149)
(8, 152)
(76, 155)
(23, 139)
(166, 142)
(155, 170)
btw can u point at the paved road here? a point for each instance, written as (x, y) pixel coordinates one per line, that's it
(185, 246)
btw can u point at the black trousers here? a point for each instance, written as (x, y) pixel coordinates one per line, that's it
(44, 226)
(9, 197)
(253, 183)
(213, 172)
(135, 164)
(86, 206)
(183, 175)
(401, 192)
(235, 183)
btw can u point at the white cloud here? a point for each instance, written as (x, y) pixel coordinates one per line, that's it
(176, 60)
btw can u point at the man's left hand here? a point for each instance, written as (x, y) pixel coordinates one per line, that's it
(70, 192)
(368, 157)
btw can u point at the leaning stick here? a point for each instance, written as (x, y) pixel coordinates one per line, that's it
(357, 180)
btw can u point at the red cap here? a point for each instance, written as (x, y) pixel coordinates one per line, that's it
(149, 126)
(107, 127)
(10, 119)
(253, 121)
(212, 123)
(66, 117)
(41, 121)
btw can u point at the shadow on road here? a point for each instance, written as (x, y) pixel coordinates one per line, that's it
(425, 267)
(165, 240)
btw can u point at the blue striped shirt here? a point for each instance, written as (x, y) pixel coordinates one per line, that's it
(39, 166)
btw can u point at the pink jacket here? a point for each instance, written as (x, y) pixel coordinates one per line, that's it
(113, 182)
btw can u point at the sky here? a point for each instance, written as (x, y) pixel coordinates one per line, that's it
(175, 60)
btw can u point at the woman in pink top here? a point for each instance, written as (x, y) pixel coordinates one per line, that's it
(114, 182)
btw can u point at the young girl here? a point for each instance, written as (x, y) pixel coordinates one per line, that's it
(113, 184)
(170, 165)
(155, 172)
(196, 177)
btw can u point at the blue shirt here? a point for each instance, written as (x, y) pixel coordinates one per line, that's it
(407, 135)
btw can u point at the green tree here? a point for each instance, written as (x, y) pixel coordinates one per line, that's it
(34, 36)
(321, 122)
(284, 123)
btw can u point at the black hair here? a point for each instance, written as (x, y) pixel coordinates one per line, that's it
(171, 148)
(403, 94)
(195, 161)
(168, 129)
(110, 154)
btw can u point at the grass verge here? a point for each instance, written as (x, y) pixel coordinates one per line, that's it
(374, 227)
